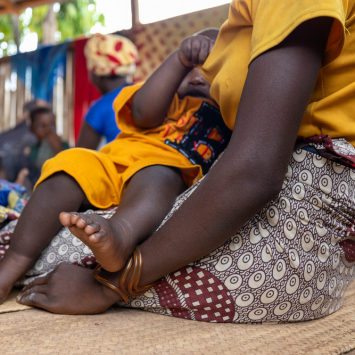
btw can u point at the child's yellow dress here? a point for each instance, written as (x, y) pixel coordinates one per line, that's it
(191, 137)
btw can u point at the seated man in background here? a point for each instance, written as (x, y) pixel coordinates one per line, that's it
(111, 61)
(43, 126)
(16, 167)
(16, 139)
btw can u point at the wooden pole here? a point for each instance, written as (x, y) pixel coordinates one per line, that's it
(9, 7)
(16, 29)
(135, 13)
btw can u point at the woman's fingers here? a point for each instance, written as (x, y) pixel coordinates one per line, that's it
(35, 299)
(33, 289)
(37, 295)
(34, 296)
(39, 281)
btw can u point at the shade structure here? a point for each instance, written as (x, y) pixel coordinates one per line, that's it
(17, 6)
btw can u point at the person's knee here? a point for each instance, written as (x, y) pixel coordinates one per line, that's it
(59, 180)
(162, 176)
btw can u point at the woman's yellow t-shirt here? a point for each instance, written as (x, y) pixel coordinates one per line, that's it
(255, 26)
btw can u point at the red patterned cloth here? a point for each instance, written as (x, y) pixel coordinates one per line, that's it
(203, 293)
(349, 249)
(338, 152)
(348, 245)
(85, 92)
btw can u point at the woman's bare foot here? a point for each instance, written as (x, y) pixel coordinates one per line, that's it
(12, 268)
(105, 237)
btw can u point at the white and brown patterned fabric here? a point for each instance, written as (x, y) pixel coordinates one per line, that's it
(286, 264)
(292, 261)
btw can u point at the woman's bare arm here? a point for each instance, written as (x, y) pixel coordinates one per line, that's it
(277, 90)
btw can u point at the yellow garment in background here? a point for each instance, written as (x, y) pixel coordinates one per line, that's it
(103, 175)
(255, 26)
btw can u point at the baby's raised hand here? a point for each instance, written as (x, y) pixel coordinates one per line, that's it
(194, 50)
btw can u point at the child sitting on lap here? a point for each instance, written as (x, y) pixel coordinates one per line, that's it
(172, 132)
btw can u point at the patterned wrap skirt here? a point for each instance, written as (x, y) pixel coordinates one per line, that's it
(292, 261)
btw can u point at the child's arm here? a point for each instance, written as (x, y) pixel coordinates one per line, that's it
(152, 101)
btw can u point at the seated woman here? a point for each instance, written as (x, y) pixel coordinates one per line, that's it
(172, 132)
(111, 61)
(260, 238)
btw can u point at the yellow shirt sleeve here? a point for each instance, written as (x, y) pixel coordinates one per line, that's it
(274, 20)
(122, 108)
(255, 26)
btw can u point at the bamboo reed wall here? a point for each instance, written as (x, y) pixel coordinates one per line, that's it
(14, 94)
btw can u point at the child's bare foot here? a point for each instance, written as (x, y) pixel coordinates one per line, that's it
(106, 238)
(12, 268)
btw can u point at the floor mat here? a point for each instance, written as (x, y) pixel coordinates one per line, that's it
(127, 331)
(10, 304)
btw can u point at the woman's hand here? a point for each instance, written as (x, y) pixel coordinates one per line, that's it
(194, 50)
(69, 289)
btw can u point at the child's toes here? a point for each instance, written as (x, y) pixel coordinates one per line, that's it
(74, 218)
(65, 219)
(83, 221)
(92, 228)
(98, 237)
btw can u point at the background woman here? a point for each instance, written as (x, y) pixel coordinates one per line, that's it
(111, 61)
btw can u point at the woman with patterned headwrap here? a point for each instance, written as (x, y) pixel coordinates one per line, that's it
(111, 61)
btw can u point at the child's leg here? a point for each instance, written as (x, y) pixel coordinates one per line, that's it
(37, 225)
(148, 198)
